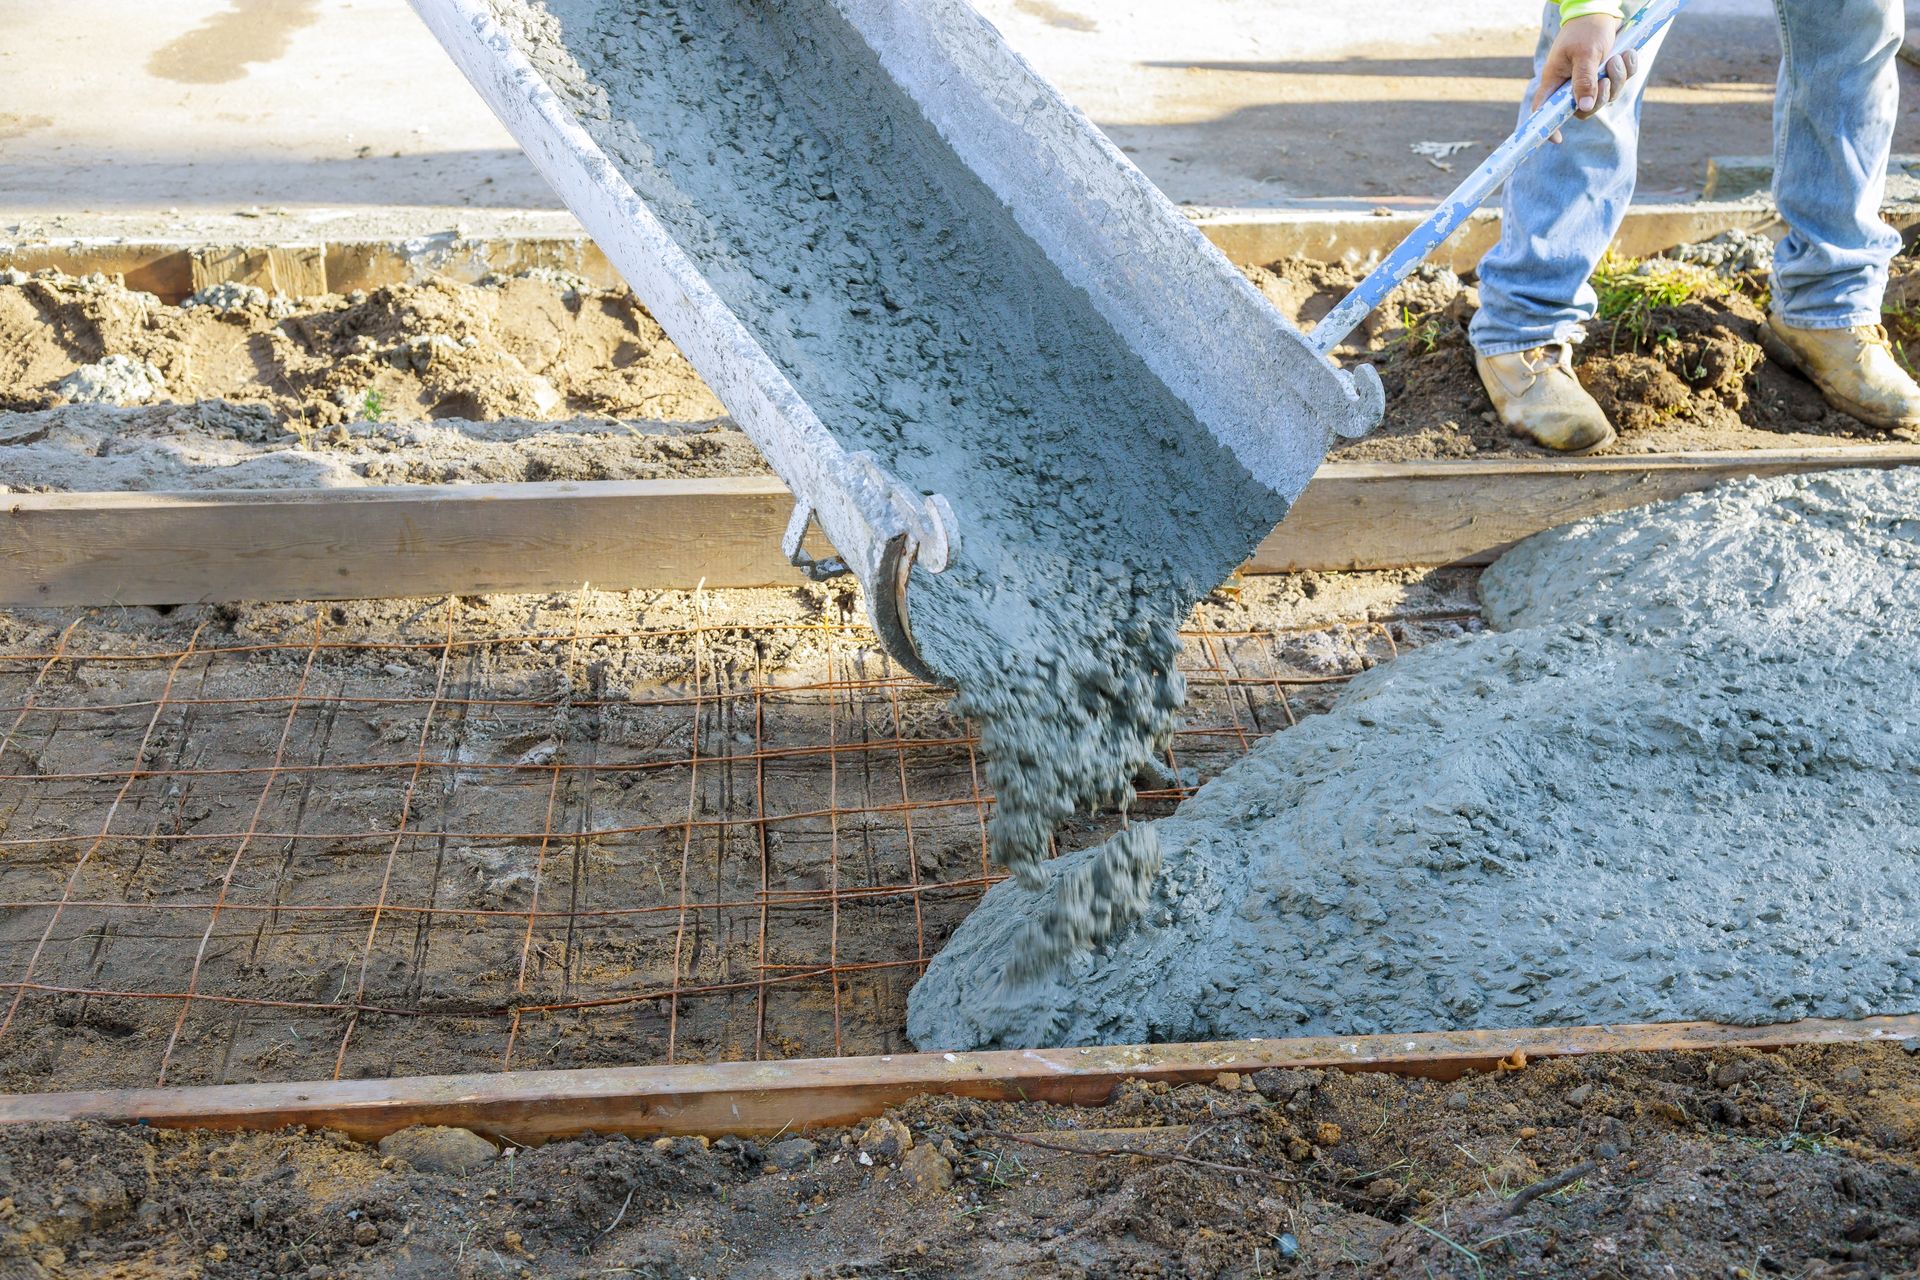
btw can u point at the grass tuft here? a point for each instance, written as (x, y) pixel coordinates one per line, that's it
(1633, 291)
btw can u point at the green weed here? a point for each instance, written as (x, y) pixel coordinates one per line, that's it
(372, 406)
(1420, 331)
(1633, 292)
(1903, 326)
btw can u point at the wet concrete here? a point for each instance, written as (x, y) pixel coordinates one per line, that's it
(1675, 782)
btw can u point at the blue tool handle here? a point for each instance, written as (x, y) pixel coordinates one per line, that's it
(1475, 190)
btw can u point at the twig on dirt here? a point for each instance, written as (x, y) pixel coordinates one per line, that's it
(624, 1206)
(1142, 1153)
(1547, 1186)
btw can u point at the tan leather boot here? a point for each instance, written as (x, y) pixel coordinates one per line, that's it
(1855, 370)
(1537, 396)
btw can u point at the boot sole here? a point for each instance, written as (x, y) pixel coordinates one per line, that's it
(1777, 349)
(1595, 447)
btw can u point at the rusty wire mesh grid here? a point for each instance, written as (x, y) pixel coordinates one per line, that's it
(329, 856)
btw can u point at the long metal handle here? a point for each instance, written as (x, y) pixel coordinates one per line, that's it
(1475, 190)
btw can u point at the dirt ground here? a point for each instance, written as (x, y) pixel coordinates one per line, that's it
(525, 347)
(539, 378)
(1803, 1163)
(1673, 378)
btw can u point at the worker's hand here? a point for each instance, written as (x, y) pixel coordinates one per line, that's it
(1583, 48)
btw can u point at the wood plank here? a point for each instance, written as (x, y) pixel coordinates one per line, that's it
(297, 270)
(342, 544)
(79, 549)
(403, 245)
(770, 1097)
(1386, 515)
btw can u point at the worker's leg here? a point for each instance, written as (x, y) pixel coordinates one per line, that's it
(1833, 119)
(1561, 210)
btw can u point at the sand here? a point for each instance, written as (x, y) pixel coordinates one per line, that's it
(1673, 782)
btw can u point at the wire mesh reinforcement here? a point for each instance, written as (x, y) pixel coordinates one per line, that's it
(474, 846)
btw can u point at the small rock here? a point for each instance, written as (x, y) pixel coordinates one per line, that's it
(262, 1212)
(885, 1139)
(1911, 1044)
(118, 379)
(1849, 1075)
(1287, 1245)
(1528, 1131)
(1228, 1080)
(1278, 1084)
(1458, 1100)
(227, 295)
(365, 1233)
(540, 753)
(791, 1154)
(1729, 1074)
(1606, 1151)
(439, 1148)
(927, 1168)
(1328, 1134)
(1578, 1097)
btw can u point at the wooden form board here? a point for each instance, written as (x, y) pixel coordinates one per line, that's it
(1389, 515)
(770, 1097)
(302, 252)
(79, 549)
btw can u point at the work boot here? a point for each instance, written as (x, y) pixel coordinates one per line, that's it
(1537, 396)
(1855, 370)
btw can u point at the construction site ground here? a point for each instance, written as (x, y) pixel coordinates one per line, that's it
(582, 830)
(401, 837)
(1737, 1164)
(246, 842)
(543, 378)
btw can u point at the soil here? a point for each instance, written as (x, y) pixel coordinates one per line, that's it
(1800, 1163)
(1698, 381)
(529, 788)
(538, 346)
(566, 382)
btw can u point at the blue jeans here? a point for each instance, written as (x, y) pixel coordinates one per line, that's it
(1833, 117)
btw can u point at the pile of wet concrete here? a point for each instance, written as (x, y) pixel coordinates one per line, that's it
(1675, 780)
